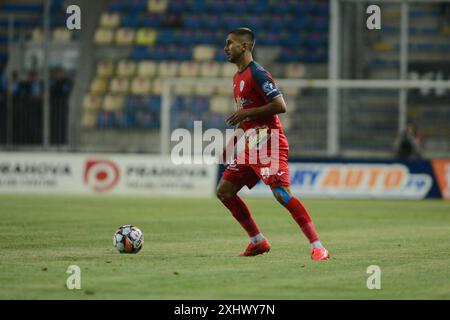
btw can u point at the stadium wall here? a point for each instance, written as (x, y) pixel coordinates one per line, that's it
(147, 175)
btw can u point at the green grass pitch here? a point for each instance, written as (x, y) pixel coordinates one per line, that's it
(191, 248)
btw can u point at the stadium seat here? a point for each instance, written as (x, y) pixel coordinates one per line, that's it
(130, 20)
(189, 69)
(140, 85)
(89, 120)
(92, 102)
(202, 89)
(168, 69)
(221, 105)
(203, 53)
(119, 85)
(157, 6)
(113, 103)
(103, 36)
(228, 70)
(61, 35)
(146, 68)
(156, 87)
(109, 20)
(99, 85)
(210, 69)
(139, 53)
(105, 68)
(182, 53)
(37, 35)
(146, 36)
(136, 6)
(185, 90)
(160, 53)
(125, 36)
(126, 68)
(106, 120)
(294, 70)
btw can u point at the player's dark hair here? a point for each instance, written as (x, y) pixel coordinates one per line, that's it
(245, 33)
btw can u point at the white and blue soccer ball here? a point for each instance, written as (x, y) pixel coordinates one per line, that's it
(128, 239)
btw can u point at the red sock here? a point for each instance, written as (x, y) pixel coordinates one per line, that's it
(302, 218)
(241, 213)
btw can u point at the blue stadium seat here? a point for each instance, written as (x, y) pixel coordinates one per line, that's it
(291, 39)
(232, 22)
(127, 120)
(261, 6)
(139, 53)
(199, 104)
(206, 37)
(220, 55)
(106, 120)
(137, 6)
(276, 23)
(150, 120)
(177, 6)
(130, 20)
(218, 6)
(198, 5)
(288, 55)
(192, 21)
(255, 22)
(271, 38)
(280, 7)
(160, 53)
(116, 5)
(239, 6)
(186, 37)
(182, 53)
(21, 8)
(211, 22)
(154, 104)
(133, 103)
(166, 36)
(151, 21)
(178, 104)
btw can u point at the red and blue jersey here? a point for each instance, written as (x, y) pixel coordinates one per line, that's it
(254, 87)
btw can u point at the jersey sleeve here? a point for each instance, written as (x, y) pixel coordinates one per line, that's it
(263, 80)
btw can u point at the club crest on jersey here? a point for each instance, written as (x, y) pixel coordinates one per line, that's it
(241, 85)
(268, 87)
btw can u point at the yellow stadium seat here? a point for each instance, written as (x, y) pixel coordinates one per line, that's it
(109, 19)
(37, 35)
(185, 90)
(294, 70)
(125, 36)
(126, 68)
(113, 103)
(105, 68)
(203, 52)
(92, 102)
(146, 37)
(168, 69)
(228, 70)
(210, 69)
(103, 36)
(157, 6)
(221, 104)
(189, 69)
(201, 89)
(146, 69)
(61, 35)
(89, 119)
(119, 85)
(99, 85)
(140, 85)
(156, 86)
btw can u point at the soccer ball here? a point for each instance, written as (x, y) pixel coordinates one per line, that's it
(128, 239)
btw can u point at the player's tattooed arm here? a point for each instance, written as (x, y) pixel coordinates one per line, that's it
(275, 106)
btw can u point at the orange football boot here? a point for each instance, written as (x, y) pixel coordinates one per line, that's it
(254, 249)
(320, 253)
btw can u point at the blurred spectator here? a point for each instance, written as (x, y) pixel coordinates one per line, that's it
(27, 111)
(409, 144)
(60, 86)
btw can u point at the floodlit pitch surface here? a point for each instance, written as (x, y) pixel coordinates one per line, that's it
(191, 248)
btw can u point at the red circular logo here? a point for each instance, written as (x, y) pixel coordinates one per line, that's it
(101, 175)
